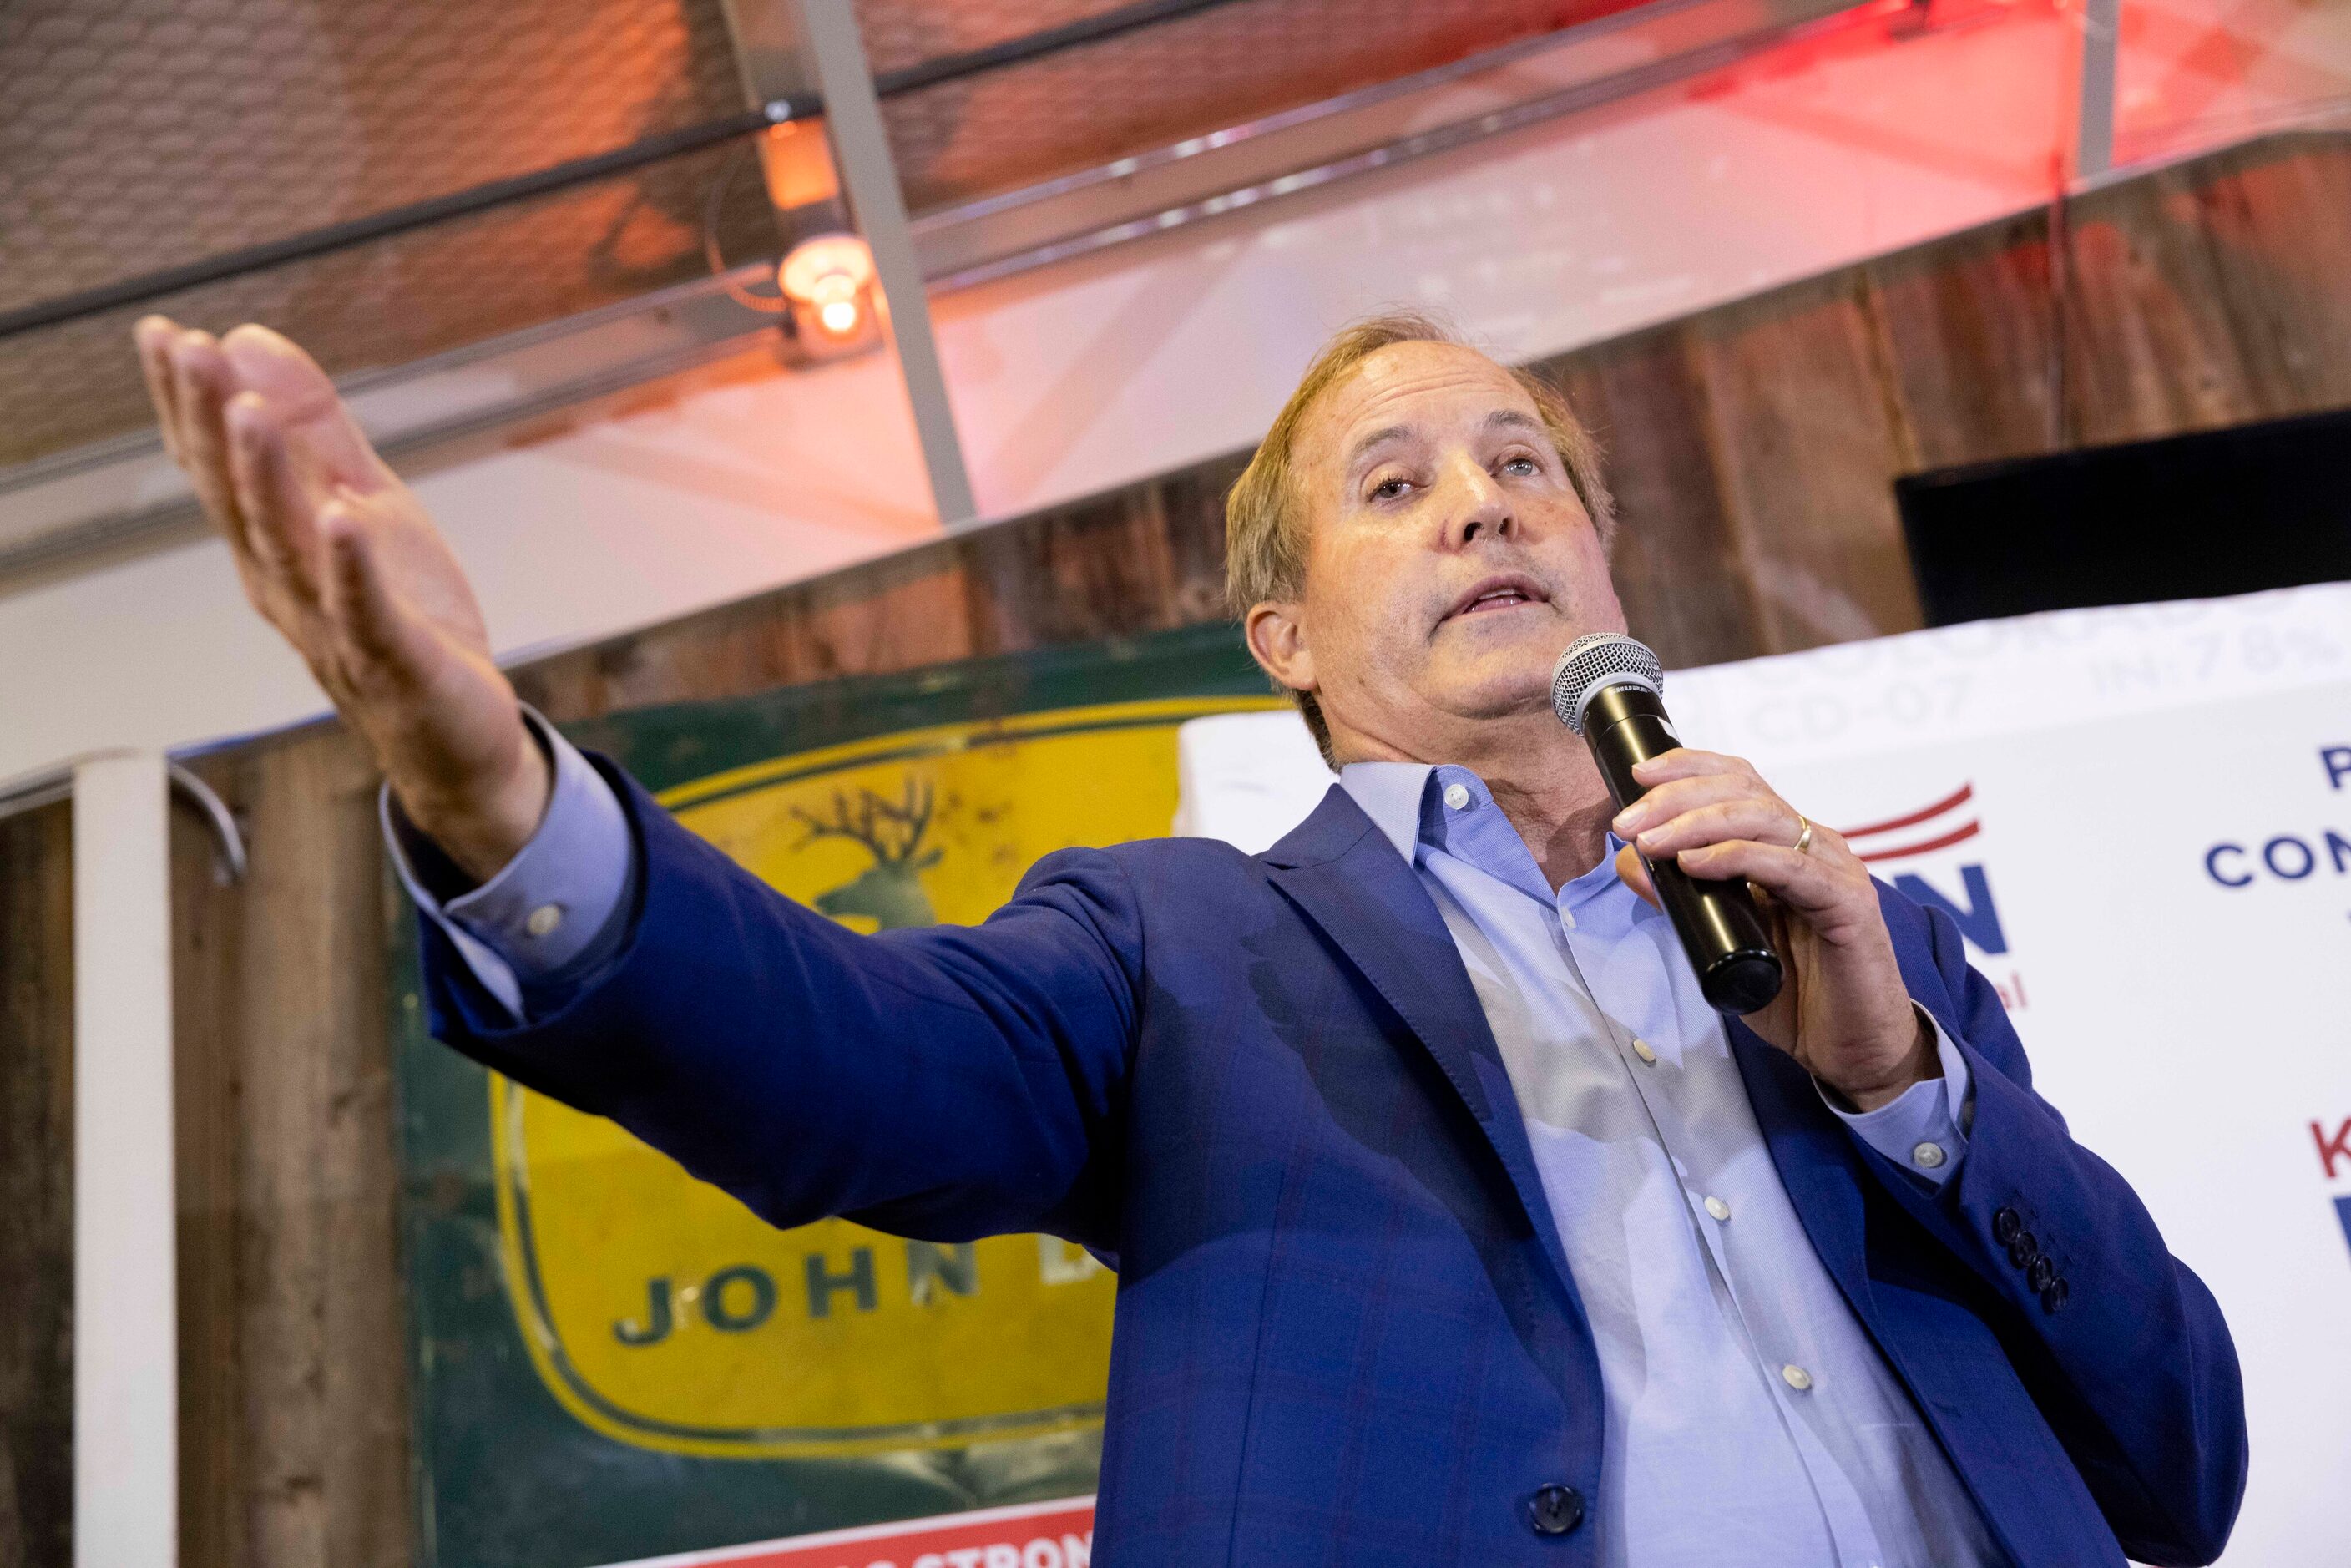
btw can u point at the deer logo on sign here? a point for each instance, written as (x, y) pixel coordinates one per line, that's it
(890, 891)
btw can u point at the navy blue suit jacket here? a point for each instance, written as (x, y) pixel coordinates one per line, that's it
(1346, 1332)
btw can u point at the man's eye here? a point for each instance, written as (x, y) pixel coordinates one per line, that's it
(1523, 467)
(1387, 489)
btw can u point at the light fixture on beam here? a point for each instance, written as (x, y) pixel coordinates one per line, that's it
(828, 278)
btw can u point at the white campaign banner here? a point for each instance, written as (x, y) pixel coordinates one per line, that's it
(2141, 820)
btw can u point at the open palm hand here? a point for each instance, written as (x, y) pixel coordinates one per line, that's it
(340, 556)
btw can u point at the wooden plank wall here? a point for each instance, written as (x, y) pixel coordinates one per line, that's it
(1753, 447)
(293, 1385)
(36, 1186)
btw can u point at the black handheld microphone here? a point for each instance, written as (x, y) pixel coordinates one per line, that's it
(1607, 688)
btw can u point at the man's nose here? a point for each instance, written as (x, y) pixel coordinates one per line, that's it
(1477, 508)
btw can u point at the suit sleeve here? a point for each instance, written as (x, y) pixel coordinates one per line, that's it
(553, 913)
(2121, 1344)
(942, 1083)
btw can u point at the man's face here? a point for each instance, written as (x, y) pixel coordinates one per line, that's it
(1448, 558)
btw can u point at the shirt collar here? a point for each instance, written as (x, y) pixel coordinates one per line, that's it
(1391, 794)
(1404, 801)
(1444, 809)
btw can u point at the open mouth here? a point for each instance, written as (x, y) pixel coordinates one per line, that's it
(1496, 594)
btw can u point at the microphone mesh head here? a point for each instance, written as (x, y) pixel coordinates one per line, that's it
(1597, 661)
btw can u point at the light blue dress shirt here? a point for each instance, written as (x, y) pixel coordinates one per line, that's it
(1750, 1419)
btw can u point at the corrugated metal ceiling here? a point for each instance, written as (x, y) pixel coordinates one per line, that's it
(141, 134)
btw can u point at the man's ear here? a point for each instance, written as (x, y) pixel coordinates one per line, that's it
(1277, 641)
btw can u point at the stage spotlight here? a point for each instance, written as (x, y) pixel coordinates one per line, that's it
(838, 317)
(826, 276)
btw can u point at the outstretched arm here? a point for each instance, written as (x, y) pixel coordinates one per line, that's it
(942, 1082)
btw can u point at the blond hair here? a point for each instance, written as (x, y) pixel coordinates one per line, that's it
(1265, 521)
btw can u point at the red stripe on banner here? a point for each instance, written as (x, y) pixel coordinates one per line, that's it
(1966, 793)
(1032, 1536)
(1967, 831)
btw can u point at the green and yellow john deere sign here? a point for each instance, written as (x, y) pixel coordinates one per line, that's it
(662, 1313)
(864, 1377)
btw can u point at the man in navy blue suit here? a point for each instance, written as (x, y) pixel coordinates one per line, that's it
(1451, 1225)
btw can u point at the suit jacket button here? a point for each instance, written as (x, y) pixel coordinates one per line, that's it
(2005, 1224)
(2054, 1295)
(2041, 1272)
(2023, 1250)
(1555, 1509)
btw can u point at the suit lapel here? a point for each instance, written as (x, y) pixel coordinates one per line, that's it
(1349, 879)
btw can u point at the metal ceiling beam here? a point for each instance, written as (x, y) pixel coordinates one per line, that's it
(2094, 119)
(65, 512)
(116, 498)
(1454, 105)
(373, 226)
(860, 152)
(778, 81)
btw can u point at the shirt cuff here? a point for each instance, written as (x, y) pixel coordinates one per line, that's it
(551, 913)
(1924, 1128)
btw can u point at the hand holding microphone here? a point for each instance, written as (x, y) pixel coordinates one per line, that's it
(1811, 963)
(1608, 689)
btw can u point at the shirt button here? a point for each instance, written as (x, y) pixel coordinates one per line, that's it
(544, 919)
(1641, 1049)
(1929, 1155)
(1796, 1377)
(1718, 1208)
(1456, 795)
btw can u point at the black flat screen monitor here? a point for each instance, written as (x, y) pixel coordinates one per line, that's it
(2189, 516)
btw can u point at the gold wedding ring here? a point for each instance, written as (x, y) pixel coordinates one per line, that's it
(1804, 838)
